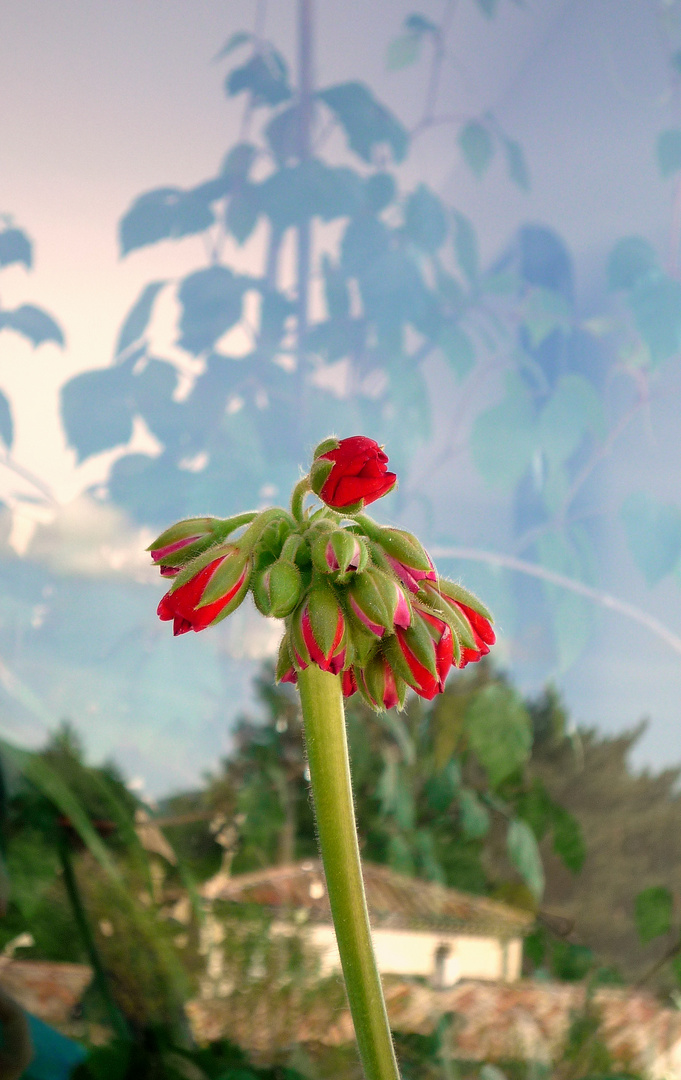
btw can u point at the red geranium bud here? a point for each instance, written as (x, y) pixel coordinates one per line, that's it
(206, 591)
(348, 682)
(476, 620)
(483, 634)
(423, 653)
(317, 631)
(339, 551)
(181, 543)
(379, 685)
(410, 575)
(356, 476)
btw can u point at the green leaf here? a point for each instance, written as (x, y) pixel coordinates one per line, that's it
(15, 247)
(32, 323)
(631, 261)
(425, 221)
(546, 310)
(379, 191)
(241, 37)
(572, 410)
(163, 214)
(653, 910)
(138, 317)
(504, 438)
(96, 410)
(653, 531)
(516, 164)
(243, 211)
(283, 134)
(264, 77)
(477, 147)
(466, 246)
(524, 854)
(367, 123)
(473, 815)
(238, 161)
(499, 731)
(669, 151)
(656, 307)
(211, 302)
(6, 424)
(458, 349)
(403, 51)
(568, 839)
(441, 788)
(419, 24)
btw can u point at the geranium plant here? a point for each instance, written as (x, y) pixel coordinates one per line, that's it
(365, 612)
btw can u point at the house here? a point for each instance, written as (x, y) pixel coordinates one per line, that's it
(419, 928)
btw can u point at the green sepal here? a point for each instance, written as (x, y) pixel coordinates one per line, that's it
(453, 621)
(284, 659)
(198, 526)
(319, 474)
(387, 586)
(450, 613)
(373, 677)
(324, 447)
(420, 642)
(273, 538)
(277, 589)
(216, 551)
(367, 593)
(404, 547)
(343, 544)
(397, 660)
(457, 592)
(324, 611)
(297, 642)
(226, 576)
(360, 641)
(233, 604)
(265, 518)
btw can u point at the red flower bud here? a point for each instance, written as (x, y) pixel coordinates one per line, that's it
(181, 543)
(206, 592)
(348, 682)
(356, 476)
(477, 619)
(317, 631)
(379, 685)
(410, 575)
(426, 653)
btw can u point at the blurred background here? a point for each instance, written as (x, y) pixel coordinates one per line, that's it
(228, 230)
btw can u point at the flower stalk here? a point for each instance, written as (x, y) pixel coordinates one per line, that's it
(327, 753)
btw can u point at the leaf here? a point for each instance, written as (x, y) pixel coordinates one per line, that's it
(474, 817)
(441, 788)
(546, 310)
(264, 77)
(476, 146)
(211, 302)
(499, 732)
(6, 424)
(568, 839)
(15, 247)
(656, 306)
(524, 854)
(379, 191)
(669, 152)
(631, 260)
(653, 531)
(466, 246)
(367, 123)
(138, 317)
(403, 51)
(425, 221)
(504, 438)
(653, 909)
(283, 134)
(571, 613)
(243, 211)
(419, 24)
(364, 242)
(33, 323)
(238, 161)
(241, 37)
(488, 7)
(96, 411)
(163, 214)
(458, 349)
(572, 410)
(516, 164)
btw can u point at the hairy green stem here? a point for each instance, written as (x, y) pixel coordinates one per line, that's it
(327, 753)
(299, 492)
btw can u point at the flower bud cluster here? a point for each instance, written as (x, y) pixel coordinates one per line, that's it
(359, 600)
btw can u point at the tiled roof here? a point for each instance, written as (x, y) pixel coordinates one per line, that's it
(394, 900)
(490, 1022)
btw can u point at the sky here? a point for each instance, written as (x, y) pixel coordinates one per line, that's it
(105, 100)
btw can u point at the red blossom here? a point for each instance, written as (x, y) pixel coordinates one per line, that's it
(181, 605)
(359, 473)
